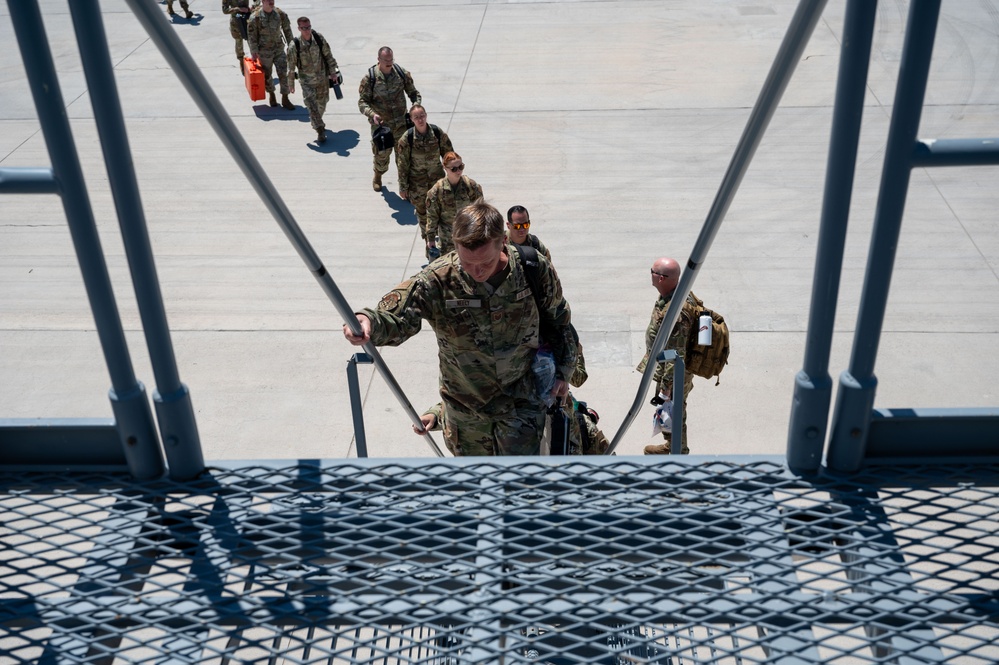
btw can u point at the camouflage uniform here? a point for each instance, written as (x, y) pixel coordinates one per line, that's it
(387, 98)
(676, 342)
(265, 31)
(486, 340)
(314, 72)
(236, 26)
(443, 203)
(535, 242)
(585, 438)
(420, 167)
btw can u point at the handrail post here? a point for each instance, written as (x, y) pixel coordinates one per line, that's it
(798, 32)
(676, 407)
(356, 406)
(133, 417)
(174, 411)
(855, 399)
(806, 433)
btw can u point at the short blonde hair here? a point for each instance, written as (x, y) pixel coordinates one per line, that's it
(477, 224)
(451, 156)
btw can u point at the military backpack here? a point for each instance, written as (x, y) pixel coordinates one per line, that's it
(708, 361)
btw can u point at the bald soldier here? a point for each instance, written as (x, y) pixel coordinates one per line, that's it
(382, 100)
(480, 305)
(665, 277)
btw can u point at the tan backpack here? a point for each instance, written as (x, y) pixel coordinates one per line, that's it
(707, 361)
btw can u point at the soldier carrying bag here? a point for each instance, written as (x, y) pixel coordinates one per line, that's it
(708, 361)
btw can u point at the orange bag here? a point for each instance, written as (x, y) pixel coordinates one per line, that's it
(254, 79)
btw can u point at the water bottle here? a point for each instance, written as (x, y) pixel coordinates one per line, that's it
(704, 330)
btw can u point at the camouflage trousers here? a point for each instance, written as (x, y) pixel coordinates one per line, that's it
(315, 95)
(688, 385)
(444, 241)
(383, 157)
(279, 61)
(515, 433)
(237, 36)
(417, 193)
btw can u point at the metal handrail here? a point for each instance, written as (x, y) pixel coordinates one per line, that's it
(802, 24)
(155, 23)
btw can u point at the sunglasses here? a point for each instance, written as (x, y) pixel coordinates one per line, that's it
(659, 273)
(455, 169)
(521, 226)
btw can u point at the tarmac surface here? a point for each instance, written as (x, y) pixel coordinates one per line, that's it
(612, 121)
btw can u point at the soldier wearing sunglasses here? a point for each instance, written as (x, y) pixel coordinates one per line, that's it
(518, 230)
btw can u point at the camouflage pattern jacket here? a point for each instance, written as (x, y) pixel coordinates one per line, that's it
(265, 30)
(316, 67)
(677, 340)
(486, 341)
(420, 166)
(444, 202)
(387, 97)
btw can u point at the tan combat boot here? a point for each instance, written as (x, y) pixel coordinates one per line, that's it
(658, 449)
(321, 138)
(286, 103)
(376, 182)
(272, 100)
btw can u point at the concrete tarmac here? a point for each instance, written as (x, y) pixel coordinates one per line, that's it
(613, 121)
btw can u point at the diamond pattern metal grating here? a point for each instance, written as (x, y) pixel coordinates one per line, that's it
(607, 560)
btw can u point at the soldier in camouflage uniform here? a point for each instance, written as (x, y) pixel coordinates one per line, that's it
(665, 277)
(183, 5)
(518, 225)
(418, 159)
(268, 29)
(239, 14)
(481, 307)
(316, 68)
(382, 100)
(448, 195)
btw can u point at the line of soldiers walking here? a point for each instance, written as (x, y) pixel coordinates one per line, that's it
(489, 291)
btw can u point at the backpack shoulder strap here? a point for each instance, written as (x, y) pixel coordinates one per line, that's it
(410, 134)
(298, 53)
(371, 80)
(528, 257)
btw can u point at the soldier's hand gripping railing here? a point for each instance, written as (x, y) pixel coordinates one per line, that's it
(798, 33)
(154, 21)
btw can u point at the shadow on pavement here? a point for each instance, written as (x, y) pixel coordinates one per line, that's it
(340, 142)
(266, 112)
(179, 18)
(405, 213)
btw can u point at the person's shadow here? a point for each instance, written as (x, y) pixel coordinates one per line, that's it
(405, 213)
(179, 18)
(266, 112)
(339, 142)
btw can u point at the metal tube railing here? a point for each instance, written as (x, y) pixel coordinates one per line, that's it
(855, 398)
(806, 433)
(134, 419)
(154, 22)
(27, 180)
(802, 25)
(174, 410)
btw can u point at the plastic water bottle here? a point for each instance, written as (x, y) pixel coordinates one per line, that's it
(704, 330)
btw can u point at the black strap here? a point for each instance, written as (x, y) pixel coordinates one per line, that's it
(319, 43)
(411, 132)
(398, 70)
